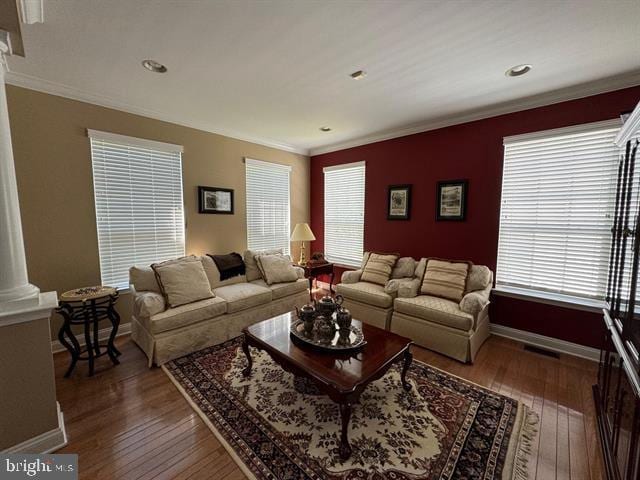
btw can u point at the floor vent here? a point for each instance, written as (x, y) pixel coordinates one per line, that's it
(541, 351)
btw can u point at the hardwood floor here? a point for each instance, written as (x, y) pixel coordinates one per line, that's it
(130, 422)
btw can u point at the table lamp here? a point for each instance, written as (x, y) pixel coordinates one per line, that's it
(302, 233)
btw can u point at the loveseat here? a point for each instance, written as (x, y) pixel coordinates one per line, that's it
(164, 332)
(454, 328)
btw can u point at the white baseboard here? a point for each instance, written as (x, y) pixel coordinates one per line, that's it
(103, 336)
(549, 343)
(46, 442)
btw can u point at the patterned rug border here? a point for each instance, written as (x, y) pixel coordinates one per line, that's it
(518, 452)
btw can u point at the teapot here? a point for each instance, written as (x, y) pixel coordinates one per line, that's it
(325, 328)
(327, 305)
(343, 318)
(308, 315)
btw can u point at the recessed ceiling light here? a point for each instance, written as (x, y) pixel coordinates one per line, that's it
(325, 129)
(518, 70)
(154, 66)
(358, 75)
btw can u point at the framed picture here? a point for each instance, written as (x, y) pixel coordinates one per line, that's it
(215, 200)
(451, 201)
(399, 202)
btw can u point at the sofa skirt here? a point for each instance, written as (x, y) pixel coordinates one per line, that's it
(458, 344)
(166, 346)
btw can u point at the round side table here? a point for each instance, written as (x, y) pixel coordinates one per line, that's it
(87, 306)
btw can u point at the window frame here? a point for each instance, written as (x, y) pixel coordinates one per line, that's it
(328, 255)
(277, 167)
(537, 295)
(124, 141)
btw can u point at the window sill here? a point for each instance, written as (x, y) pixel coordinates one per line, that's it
(565, 301)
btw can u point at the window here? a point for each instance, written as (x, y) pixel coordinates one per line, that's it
(268, 207)
(344, 213)
(138, 195)
(558, 195)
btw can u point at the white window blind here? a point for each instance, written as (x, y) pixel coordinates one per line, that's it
(138, 198)
(344, 213)
(268, 206)
(558, 196)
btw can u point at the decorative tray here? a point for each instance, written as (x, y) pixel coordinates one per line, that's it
(342, 341)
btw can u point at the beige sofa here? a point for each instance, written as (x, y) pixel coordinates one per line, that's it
(457, 330)
(164, 334)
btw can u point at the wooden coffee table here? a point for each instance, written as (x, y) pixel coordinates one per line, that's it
(342, 377)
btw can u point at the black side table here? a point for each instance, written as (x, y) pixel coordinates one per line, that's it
(313, 270)
(87, 306)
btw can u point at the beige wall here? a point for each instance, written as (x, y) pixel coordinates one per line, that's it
(29, 409)
(53, 168)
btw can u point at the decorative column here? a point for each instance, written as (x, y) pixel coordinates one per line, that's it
(14, 282)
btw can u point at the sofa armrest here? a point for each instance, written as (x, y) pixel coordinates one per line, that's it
(474, 302)
(351, 276)
(395, 284)
(146, 304)
(299, 271)
(409, 288)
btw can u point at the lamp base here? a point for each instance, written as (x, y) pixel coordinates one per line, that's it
(303, 257)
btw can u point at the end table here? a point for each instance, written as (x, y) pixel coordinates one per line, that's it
(313, 270)
(87, 306)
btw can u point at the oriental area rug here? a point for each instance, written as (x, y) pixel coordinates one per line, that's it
(443, 428)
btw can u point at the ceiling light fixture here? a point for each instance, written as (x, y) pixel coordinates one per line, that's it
(518, 70)
(154, 66)
(325, 129)
(360, 74)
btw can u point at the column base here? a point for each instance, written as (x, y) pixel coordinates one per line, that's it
(19, 293)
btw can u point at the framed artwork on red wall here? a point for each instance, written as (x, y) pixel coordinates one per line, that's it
(451, 200)
(399, 202)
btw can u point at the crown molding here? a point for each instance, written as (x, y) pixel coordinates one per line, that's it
(53, 88)
(583, 90)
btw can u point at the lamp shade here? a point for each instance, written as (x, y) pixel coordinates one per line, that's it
(302, 233)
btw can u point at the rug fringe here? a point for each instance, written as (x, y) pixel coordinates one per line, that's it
(528, 434)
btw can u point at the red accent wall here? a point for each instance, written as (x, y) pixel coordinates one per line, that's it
(470, 151)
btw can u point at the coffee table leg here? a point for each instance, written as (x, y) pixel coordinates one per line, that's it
(408, 358)
(245, 349)
(345, 415)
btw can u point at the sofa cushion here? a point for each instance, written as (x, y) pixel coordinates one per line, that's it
(369, 293)
(445, 279)
(241, 296)
(436, 310)
(213, 274)
(185, 315)
(281, 290)
(251, 267)
(276, 268)
(182, 281)
(378, 268)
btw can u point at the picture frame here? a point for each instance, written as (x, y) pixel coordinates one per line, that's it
(451, 200)
(398, 202)
(215, 200)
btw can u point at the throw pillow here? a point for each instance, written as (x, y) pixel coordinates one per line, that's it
(378, 268)
(143, 279)
(276, 269)
(405, 268)
(251, 267)
(445, 279)
(182, 281)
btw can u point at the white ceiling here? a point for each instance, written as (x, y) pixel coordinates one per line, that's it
(274, 71)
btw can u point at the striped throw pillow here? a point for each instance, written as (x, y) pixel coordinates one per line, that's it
(445, 279)
(378, 268)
